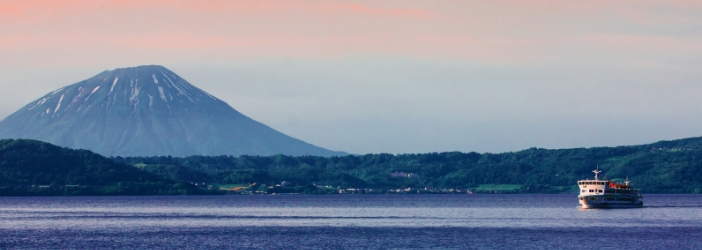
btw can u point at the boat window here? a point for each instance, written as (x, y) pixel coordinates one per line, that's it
(583, 191)
(591, 190)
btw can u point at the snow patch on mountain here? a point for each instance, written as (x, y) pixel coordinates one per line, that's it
(167, 78)
(58, 104)
(184, 83)
(113, 84)
(40, 102)
(91, 93)
(181, 91)
(160, 92)
(134, 98)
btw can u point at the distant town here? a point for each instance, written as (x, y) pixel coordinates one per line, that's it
(285, 187)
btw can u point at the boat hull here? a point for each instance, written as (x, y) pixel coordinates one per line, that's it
(593, 205)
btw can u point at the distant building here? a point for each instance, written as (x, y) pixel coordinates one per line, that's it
(403, 175)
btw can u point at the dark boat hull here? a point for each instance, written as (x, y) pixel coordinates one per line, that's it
(590, 205)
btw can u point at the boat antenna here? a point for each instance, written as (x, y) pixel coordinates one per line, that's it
(597, 171)
(627, 181)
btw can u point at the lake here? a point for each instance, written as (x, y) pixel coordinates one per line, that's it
(521, 221)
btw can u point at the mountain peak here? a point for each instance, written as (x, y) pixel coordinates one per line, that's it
(146, 110)
(142, 67)
(135, 70)
(139, 89)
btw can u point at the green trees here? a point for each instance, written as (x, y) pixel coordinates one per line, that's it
(674, 166)
(29, 167)
(663, 167)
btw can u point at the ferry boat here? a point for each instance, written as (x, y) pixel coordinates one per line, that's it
(608, 194)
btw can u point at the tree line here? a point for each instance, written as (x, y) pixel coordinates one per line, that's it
(662, 167)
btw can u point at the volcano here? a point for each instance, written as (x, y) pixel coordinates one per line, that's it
(147, 111)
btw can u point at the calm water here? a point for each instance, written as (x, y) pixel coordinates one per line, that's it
(347, 221)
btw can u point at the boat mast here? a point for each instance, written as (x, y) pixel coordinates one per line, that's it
(597, 171)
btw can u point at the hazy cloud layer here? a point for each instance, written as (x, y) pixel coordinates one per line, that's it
(389, 76)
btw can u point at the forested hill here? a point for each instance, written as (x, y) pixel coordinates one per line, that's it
(662, 167)
(29, 167)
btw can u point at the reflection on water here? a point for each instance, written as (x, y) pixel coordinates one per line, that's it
(368, 211)
(68, 219)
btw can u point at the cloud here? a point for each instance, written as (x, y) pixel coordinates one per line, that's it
(484, 32)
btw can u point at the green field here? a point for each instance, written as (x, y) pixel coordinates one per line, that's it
(231, 186)
(498, 187)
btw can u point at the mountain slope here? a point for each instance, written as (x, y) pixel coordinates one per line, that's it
(29, 167)
(147, 110)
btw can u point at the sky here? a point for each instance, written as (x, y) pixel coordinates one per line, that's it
(390, 76)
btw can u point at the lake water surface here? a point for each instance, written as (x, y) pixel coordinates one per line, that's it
(347, 222)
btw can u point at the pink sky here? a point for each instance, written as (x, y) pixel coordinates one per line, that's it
(211, 31)
(409, 76)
